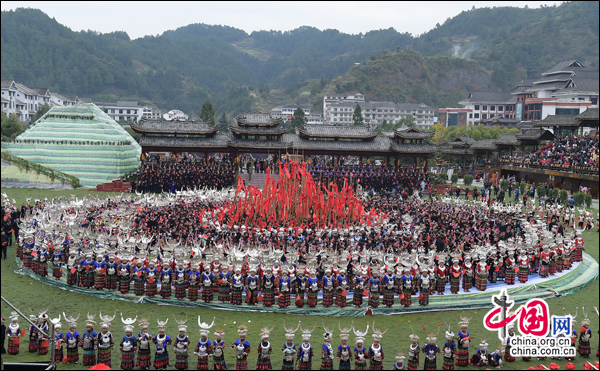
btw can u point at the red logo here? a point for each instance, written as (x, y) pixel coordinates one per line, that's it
(534, 316)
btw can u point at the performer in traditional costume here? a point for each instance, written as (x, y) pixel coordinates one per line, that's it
(33, 334)
(313, 288)
(264, 349)
(72, 340)
(242, 348)
(545, 261)
(43, 325)
(344, 351)
(89, 341)
(87, 268)
(430, 350)
(194, 275)
(455, 273)
(207, 285)
(204, 347)
(152, 275)
(252, 287)
(389, 289)
(585, 333)
(509, 337)
(143, 359)
(124, 276)
(327, 350)
(105, 340)
(139, 279)
(374, 289)
(425, 287)
(305, 351)
(99, 273)
(111, 273)
(300, 289)
(328, 288)
(166, 275)
(440, 278)
(289, 347)
(480, 359)
(482, 274)
(267, 284)
(449, 350)
(162, 340)
(182, 343)
(284, 290)
(376, 355)
(495, 359)
(523, 261)
(59, 339)
(399, 364)
(128, 344)
(224, 285)
(13, 330)
(341, 288)
(72, 275)
(218, 350)
(56, 260)
(360, 351)
(464, 339)
(359, 287)
(510, 264)
(413, 351)
(407, 286)
(237, 286)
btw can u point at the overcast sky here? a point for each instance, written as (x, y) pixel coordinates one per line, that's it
(154, 17)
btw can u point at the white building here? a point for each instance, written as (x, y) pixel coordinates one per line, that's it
(374, 113)
(314, 119)
(330, 99)
(122, 110)
(150, 114)
(175, 115)
(21, 100)
(485, 105)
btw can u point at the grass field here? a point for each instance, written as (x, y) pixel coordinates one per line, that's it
(24, 293)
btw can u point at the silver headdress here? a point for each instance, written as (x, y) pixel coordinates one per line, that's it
(71, 320)
(360, 335)
(290, 332)
(90, 320)
(344, 332)
(128, 323)
(162, 326)
(377, 334)
(106, 320)
(328, 332)
(306, 333)
(181, 323)
(265, 331)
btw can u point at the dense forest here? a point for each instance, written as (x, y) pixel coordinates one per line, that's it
(180, 69)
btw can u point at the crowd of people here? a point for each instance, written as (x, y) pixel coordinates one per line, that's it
(565, 151)
(136, 349)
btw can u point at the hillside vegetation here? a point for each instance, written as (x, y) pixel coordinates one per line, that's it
(182, 68)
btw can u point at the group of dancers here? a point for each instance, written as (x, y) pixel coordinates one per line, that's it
(136, 349)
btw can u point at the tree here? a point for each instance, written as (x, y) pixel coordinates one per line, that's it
(299, 118)
(11, 127)
(441, 134)
(208, 113)
(357, 116)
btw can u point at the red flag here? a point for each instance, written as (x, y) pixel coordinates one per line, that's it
(401, 296)
(73, 270)
(249, 294)
(260, 297)
(365, 292)
(151, 280)
(139, 273)
(23, 333)
(420, 296)
(344, 293)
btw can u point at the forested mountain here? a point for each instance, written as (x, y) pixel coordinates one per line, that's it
(180, 69)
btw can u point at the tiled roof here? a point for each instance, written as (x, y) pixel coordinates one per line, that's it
(461, 140)
(487, 144)
(258, 119)
(547, 86)
(329, 131)
(4, 100)
(378, 144)
(42, 91)
(534, 134)
(412, 133)
(216, 141)
(557, 120)
(508, 139)
(259, 144)
(563, 76)
(24, 89)
(6, 83)
(457, 151)
(260, 130)
(588, 114)
(580, 84)
(570, 65)
(487, 97)
(413, 148)
(175, 127)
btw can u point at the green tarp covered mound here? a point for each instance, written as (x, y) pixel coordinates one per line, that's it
(80, 140)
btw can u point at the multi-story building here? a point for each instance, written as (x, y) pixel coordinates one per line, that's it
(150, 114)
(375, 113)
(489, 104)
(568, 88)
(122, 110)
(330, 99)
(21, 100)
(314, 119)
(175, 115)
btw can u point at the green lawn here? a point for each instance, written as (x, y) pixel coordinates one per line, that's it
(25, 292)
